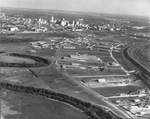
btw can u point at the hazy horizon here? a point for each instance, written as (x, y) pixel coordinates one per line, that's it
(122, 7)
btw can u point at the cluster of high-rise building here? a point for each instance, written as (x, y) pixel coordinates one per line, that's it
(66, 23)
(20, 24)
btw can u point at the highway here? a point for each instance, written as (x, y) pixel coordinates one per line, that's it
(139, 61)
(138, 54)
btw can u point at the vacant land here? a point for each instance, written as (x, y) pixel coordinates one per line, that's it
(13, 59)
(26, 106)
(111, 91)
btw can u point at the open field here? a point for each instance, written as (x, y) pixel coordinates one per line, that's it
(123, 61)
(88, 52)
(15, 47)
(86, 63)
(30, 37)
(107, 59)
(16, 39)
(107, 77)
(20, 105)
(111, 91)
(13, 59)
(20, 76)
(108, 71)
(125, 39)
(46, 52)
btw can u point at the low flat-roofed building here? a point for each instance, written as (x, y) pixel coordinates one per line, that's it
(69, 47)
(102, 80)
(85, 57)
(14, 29)
(76, 64)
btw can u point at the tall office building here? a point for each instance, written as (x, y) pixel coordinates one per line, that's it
(73, 23)
(52, 20)
(39, 23)
(63, 22)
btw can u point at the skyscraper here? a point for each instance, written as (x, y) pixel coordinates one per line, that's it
(52, 20)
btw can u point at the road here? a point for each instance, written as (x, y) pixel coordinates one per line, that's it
(127, 96)
(39, 80)
(99, 76)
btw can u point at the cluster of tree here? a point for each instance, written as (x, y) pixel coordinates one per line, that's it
(93, 111)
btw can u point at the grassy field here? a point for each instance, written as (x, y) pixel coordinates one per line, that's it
(108, 71)
(111, 91)
(123, 61)
(88, 52)
(16, 39)
(13, 59)
(45, 52)
(23, 48)
(107, 59)
(18, 76)
(25, 106)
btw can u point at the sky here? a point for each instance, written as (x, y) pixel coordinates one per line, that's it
(124, 7)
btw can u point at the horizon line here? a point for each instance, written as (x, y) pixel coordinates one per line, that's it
(72, 12)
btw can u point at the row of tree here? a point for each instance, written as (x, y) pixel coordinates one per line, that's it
(93, 111)
(24, 65)
(40, 62)
(36, 58)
